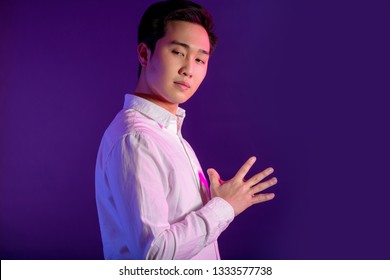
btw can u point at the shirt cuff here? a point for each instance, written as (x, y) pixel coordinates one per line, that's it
(222, 210)
(217, 215)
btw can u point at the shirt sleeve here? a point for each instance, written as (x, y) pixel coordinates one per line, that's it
(136, 179)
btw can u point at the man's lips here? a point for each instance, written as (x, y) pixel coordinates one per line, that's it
(182, 83)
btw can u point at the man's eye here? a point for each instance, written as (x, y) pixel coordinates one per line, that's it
(178, 53)
(200, 61)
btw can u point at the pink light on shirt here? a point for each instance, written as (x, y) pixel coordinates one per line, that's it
(203, 182)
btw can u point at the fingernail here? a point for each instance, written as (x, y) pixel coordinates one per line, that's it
(270, 170)
(274, 180)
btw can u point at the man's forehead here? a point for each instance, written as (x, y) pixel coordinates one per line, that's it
(188, 35)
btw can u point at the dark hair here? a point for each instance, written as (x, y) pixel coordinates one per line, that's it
(153, 23)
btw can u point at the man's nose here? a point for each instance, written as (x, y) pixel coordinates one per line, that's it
(187, 69)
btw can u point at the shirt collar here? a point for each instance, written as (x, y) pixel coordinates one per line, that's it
(155, 112)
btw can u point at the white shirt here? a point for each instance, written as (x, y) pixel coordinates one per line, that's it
(152, 197)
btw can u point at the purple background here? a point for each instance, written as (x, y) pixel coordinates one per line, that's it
(302, 85)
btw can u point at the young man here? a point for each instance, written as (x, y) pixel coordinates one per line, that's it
(152, 197)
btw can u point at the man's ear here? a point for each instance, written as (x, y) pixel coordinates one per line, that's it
(143, 54)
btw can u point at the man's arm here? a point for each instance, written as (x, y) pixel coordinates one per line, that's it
(140, 200)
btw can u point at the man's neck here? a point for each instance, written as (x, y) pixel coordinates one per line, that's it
(172, 108)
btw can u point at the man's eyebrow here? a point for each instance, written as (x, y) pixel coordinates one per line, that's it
(184, 45)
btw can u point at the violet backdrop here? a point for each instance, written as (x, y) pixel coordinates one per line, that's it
(302, 85)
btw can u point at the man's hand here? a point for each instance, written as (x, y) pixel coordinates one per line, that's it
(241, 193)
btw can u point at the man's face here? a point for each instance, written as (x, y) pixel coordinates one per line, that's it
(178, 65)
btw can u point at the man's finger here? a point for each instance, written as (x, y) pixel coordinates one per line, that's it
(259, 198)
(259, 177)
(263, 186)
(213, 177)
(240, 175)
